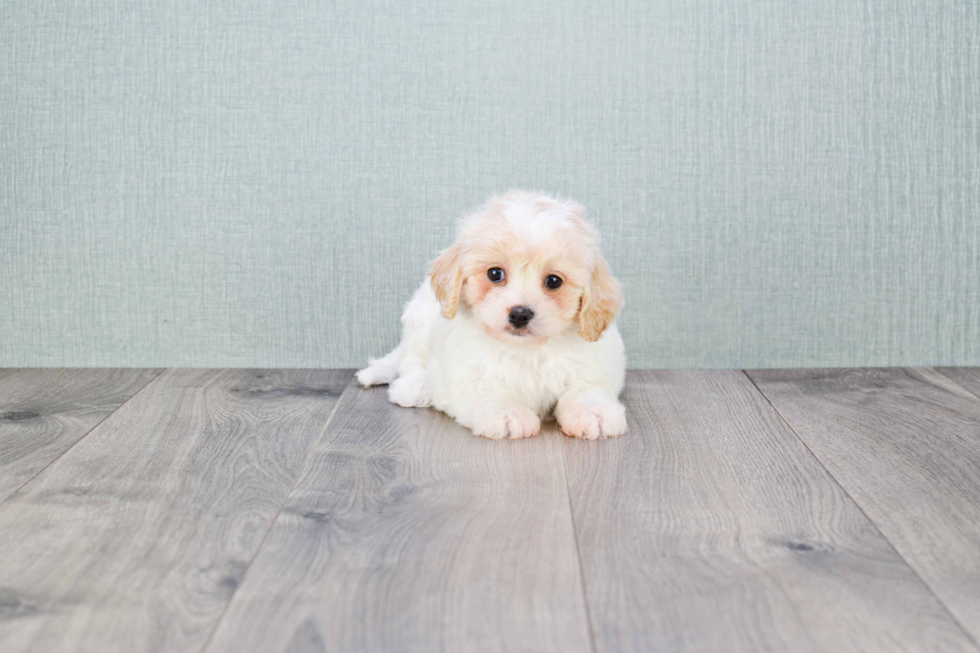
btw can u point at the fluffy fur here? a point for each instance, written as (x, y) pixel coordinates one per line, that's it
(460, 353)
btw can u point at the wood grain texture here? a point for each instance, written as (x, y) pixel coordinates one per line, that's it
(136, 538)
(710, 527)
(968, 377)
(43, 412)
(407, 533)
(905, 443)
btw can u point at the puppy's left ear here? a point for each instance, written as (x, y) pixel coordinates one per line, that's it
(447, 280)
(600, 304)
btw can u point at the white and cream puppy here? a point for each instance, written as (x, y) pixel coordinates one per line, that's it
(514, 324)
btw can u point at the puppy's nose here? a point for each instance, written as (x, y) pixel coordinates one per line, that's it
(520, 316)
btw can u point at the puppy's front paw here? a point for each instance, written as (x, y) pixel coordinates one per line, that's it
(514, 422)
(591, 419)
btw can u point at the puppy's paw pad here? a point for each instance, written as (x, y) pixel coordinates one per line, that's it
(513, 423)
(409, 392)
(593, 420)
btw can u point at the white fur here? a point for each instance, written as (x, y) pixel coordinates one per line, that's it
(498, 383)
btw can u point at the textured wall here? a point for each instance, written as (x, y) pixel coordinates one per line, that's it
(262, 183)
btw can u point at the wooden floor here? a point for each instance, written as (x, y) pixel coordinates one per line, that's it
(290, 510)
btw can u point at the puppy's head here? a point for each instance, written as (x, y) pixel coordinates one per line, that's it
(527, 267)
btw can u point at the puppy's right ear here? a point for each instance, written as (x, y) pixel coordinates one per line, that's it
(447, 280)
(601, 303)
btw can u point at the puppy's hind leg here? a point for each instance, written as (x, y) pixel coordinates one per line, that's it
(410, 390)
(381, 370)
(407, 360)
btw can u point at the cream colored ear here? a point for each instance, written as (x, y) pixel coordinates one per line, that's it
(601, 303)
(447, 280)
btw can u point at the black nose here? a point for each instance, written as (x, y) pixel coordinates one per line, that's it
(520, 316)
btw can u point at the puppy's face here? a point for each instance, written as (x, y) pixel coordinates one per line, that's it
(528, 267)
(518, 289)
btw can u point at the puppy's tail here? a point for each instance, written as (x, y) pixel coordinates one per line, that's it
(381, 370)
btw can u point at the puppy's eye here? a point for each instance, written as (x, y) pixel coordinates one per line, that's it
(552, 282)
(495, 275)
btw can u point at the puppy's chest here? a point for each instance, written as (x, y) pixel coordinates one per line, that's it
(541, 377)
(466, 360)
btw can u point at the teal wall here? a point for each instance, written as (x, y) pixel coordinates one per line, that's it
(262, 183)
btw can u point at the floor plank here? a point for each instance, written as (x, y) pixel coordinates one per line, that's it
(968, 377)
(710, 527)
(136, 538)
(43, 412)
(906, 445)
(407, 533)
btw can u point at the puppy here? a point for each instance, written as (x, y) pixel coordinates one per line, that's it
(515, 323)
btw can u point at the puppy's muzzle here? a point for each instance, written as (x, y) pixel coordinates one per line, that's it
(519, 316)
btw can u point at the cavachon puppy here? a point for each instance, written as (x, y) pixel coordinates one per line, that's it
(515, 323)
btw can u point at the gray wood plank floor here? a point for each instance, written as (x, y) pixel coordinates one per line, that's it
(967, 377)
(905, 443)
(712, 528)
(137, 537)
(234, 510)
(43, 412)
(407, 533)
